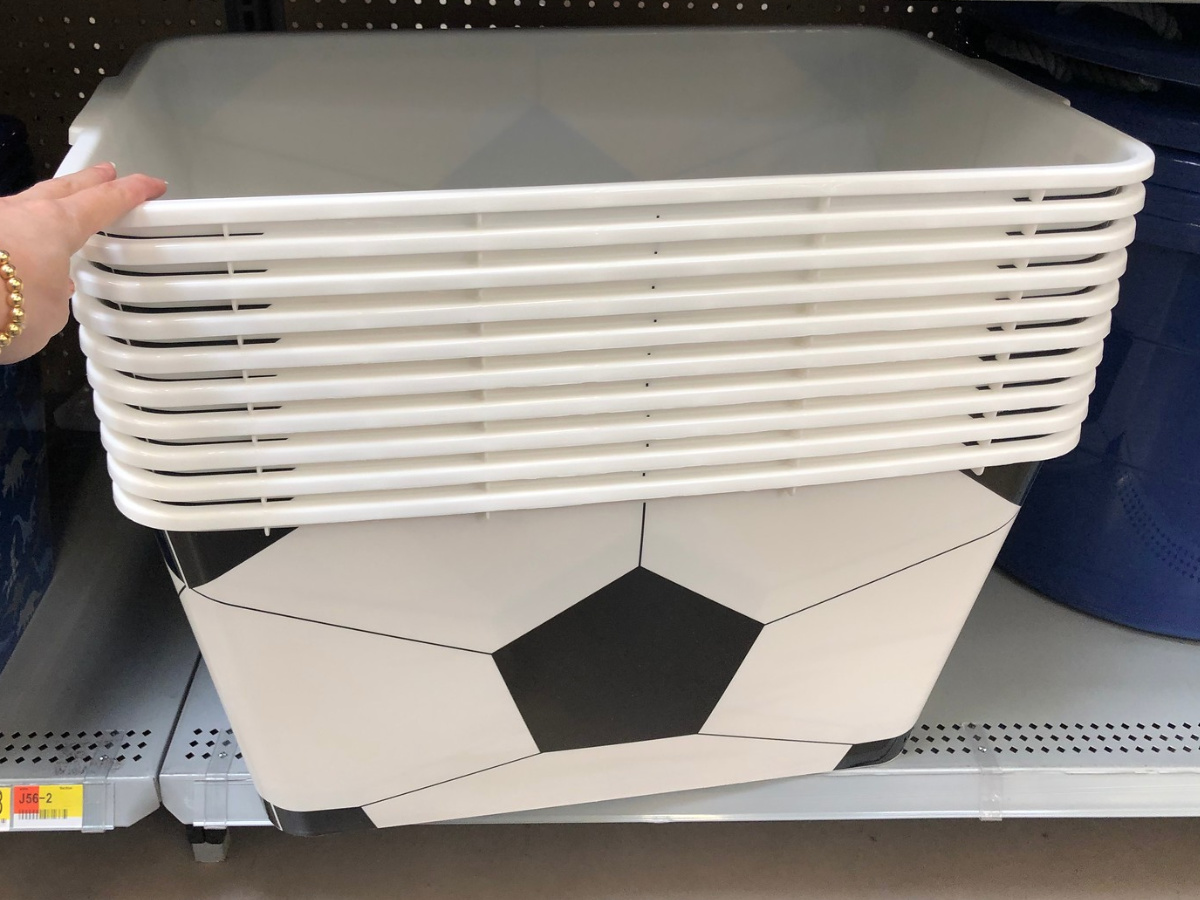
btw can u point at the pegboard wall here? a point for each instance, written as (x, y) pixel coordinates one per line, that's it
(57, 52)
(934, 19)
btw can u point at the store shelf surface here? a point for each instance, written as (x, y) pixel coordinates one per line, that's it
(1040, 711)
(93, 689)
(204, 780)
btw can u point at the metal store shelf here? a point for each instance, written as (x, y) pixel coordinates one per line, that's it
(204, 781)
(93, 689)
(1040, 712)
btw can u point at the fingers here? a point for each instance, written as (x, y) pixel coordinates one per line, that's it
(95, 208)
(57, 188)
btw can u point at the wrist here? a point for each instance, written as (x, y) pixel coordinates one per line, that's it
(12, 309)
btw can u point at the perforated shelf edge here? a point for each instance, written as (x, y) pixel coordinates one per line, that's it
(93, 689)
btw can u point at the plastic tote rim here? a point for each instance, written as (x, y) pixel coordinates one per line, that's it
(342, 508)
(235, 210)
(1135, 164)
(309, 277)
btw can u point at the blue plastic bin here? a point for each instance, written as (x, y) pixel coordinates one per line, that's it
(1160, 292)
(1114, 527)
(1113, 540)
(25, 538)
(26, 547)
(1176, 168)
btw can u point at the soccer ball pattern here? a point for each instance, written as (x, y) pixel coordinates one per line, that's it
(467, 666)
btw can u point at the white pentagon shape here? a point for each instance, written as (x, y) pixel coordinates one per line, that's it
(770, 553)
(607, 773)
(475, 582)
(329, 718)
(860, 667)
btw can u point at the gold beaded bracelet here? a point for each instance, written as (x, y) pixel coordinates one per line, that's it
(16, 302)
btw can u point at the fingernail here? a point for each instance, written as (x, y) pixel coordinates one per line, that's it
(107, 165)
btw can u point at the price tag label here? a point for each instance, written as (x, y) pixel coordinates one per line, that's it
(5, 808)
(47, 807)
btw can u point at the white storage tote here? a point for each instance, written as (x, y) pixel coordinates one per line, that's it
(542, 417)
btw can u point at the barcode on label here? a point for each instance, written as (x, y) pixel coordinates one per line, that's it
(42, 814)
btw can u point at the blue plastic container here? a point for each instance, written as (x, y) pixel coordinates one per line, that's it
(1160, 292)
(1097, 34)
(1113, 540)
(26, 546)
(1137, 415)
(1176, 168)
(1113, 528)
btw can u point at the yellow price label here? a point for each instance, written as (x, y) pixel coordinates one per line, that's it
(5, 808)
(47, 806)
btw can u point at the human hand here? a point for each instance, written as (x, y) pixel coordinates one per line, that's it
(42, 228)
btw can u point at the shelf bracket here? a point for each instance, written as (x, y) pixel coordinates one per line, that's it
(99, 792)
(991, 783)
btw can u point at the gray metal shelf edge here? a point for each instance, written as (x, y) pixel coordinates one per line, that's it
(95, 684)
(1040, 712)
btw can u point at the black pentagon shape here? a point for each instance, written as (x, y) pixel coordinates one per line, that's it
(201, 557)
(1012, 482)
(642, 658)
